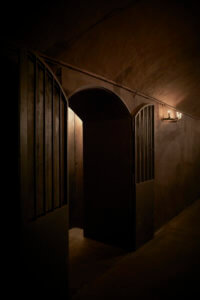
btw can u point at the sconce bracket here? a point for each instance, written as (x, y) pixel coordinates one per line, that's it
(171, 119)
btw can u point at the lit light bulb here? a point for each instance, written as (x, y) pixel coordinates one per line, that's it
(178, 115)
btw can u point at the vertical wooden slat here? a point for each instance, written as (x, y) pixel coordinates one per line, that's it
(136, 145)
(39, 142)
(30, 213)
(138, 165)
(142, 143)
(23, 138)
(52, 142)
(48, 143)
(152, 142)
(35, 150)
(140, 147)
(62, 152)
(66, 161)
(147, 143)
(56, 153)
(44, 133)
(150, 137)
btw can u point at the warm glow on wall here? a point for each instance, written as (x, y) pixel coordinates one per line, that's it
(177, 116)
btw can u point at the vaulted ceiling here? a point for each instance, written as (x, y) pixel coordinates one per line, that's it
(149, 45)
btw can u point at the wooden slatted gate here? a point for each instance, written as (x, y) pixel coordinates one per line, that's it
(143, 126)
(43, 174)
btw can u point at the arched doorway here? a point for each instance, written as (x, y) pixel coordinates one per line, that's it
(111, 194)
(108, 212)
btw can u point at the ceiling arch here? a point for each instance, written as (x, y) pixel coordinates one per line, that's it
(148, 45)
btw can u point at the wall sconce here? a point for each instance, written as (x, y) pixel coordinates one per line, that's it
(170, 118)
(179, 115)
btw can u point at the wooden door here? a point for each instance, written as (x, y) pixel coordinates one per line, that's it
(43, 178)
(107, 181)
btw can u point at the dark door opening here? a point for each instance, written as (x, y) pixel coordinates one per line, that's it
(99, 143)
(101, 167)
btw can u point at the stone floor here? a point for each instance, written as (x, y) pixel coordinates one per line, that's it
(89, 259)
(167, 267)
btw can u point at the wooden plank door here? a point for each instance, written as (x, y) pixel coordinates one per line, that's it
(107, 181)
